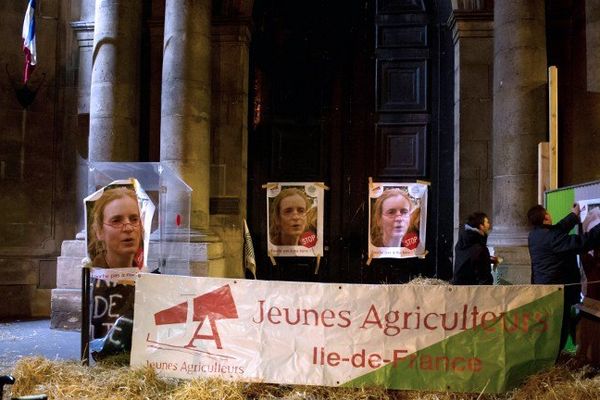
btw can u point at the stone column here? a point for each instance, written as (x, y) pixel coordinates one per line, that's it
(473, 38)
(66, 297)
(114, 100)
(84, 31)
(185, 113)
(108, 96)
(520, 123)
(185, 100)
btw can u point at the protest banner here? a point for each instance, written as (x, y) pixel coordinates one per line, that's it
(466, 339)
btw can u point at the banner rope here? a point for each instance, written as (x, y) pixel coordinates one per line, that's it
(582, 283)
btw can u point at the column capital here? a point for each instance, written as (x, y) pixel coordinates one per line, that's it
(473, 5)
(84, 30)
(467, 24)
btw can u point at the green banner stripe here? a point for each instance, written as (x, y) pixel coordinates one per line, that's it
(478, 359)
(559, 203)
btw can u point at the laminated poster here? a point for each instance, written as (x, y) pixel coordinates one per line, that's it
(295, 219)
(397, 219)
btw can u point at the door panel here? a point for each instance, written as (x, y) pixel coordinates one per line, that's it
(343, 91)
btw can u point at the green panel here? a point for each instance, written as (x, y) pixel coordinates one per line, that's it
(559, 203)
(506, 358)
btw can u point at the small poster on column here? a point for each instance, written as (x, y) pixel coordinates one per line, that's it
(398, 216)
(295, 219)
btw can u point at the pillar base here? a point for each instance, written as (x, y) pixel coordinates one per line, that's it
(205, 251)
(515, 268)
(214, 263)
(508, 236)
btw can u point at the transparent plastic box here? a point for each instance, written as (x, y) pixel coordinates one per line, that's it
(170, 228)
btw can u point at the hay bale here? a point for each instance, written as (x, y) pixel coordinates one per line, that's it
(571, 380)
(421, 281)
(69, 380)
(64, 380)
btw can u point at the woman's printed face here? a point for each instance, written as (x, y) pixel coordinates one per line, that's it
(121, 227)
(395, 218)
(292, 215)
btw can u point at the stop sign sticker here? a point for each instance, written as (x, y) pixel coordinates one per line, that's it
(308, 239)
(410, 241)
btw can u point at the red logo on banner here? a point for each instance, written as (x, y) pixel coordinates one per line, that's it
(410, 241)
(215, 305)
(308, 239)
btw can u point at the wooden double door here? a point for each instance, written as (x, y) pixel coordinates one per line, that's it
(342, 91)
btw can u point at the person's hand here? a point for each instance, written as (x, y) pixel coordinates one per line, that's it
(575, 209)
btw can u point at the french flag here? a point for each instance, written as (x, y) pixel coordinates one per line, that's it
(29, 40)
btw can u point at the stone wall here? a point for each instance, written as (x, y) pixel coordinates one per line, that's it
(36, 157)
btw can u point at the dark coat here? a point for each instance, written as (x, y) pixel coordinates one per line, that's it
(554, 252)
(472, 264)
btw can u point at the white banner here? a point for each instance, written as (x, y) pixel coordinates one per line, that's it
(331, 334)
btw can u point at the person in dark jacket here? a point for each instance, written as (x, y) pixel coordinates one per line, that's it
(472, 262)
(553, 253)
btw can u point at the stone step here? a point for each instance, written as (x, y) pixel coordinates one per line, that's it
(68, 272)
(73, 248)
(66, 309)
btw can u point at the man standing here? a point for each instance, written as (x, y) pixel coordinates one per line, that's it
(554, 257)
(472, 262)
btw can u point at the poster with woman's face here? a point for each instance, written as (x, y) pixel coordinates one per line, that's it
(397, 219)
(115, 219)
(295, 219)
(117, 246)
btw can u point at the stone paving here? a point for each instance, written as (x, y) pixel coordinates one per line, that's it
(35, 338)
